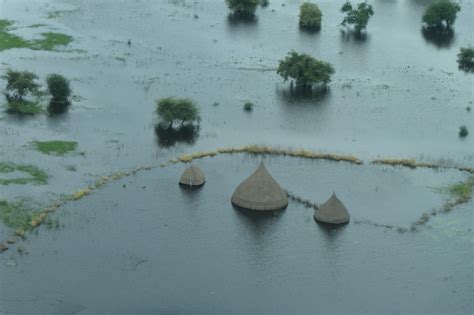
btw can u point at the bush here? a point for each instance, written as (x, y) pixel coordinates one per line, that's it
(248, 106)
(60, 91)
(20, 84)
(245, 8)
(58, 86)
(466, 59)
(305, 70)
(358, 17)
(463, 132)
(441, 13)
(173, 110)
(310, 16)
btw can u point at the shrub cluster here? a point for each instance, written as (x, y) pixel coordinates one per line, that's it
(305, 70)
(22, 87)
(466, 59)
(310, 16)
(357, 17)
(441, 14)
(177, 110)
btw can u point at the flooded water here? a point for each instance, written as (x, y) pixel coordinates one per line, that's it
(153, 247)
(150, 247)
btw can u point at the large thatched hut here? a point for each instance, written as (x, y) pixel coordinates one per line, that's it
(260, 191)
(332, 211)
(192, 176)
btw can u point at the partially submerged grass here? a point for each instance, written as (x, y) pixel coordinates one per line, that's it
(36, 175)
(16, 215)
(267, 150)
(305, 202)
(23, 219)
(48, 41)
(412, 163)
(198, 155)
(9, 40)
(23, 107)
(301, 153)
(459, 193)
(55, 147)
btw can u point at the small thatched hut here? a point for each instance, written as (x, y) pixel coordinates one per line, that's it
(192, 176)
(332, 211)
(260, 191)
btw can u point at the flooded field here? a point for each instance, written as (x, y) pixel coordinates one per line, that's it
(141, 244)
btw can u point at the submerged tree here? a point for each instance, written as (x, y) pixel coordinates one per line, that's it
(305, 70)
(20, 84)
(60, 90)
(441, 14)
(466, 59)
(310, 16)
(173, 110)
(358, 17)
(243, 8)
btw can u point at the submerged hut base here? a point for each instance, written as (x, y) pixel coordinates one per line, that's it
(332, 212)
(260, 192)
(192, 177)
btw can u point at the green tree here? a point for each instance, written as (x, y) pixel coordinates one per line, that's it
(441, 13)
(243, 8)
(466, 59)
(358, 17)
(305, 70)
(60, 90)
(173, 110)
(310, 16)
(20, 84)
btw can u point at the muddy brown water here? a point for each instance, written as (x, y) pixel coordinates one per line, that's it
(396, 93)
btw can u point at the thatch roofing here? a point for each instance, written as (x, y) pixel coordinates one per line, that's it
(332, 211)
(260, 191)
(192, 176)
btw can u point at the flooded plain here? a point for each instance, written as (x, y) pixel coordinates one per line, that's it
(143, 245)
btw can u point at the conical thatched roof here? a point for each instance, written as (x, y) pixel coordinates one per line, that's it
(260, 192)
(332, 211)
(192, 176)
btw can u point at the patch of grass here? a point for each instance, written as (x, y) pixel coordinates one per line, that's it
(23, 107)
(16, 215)
(55, 147)
(49, 40)
(8, 40)
(461, 191)
(36, 175)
